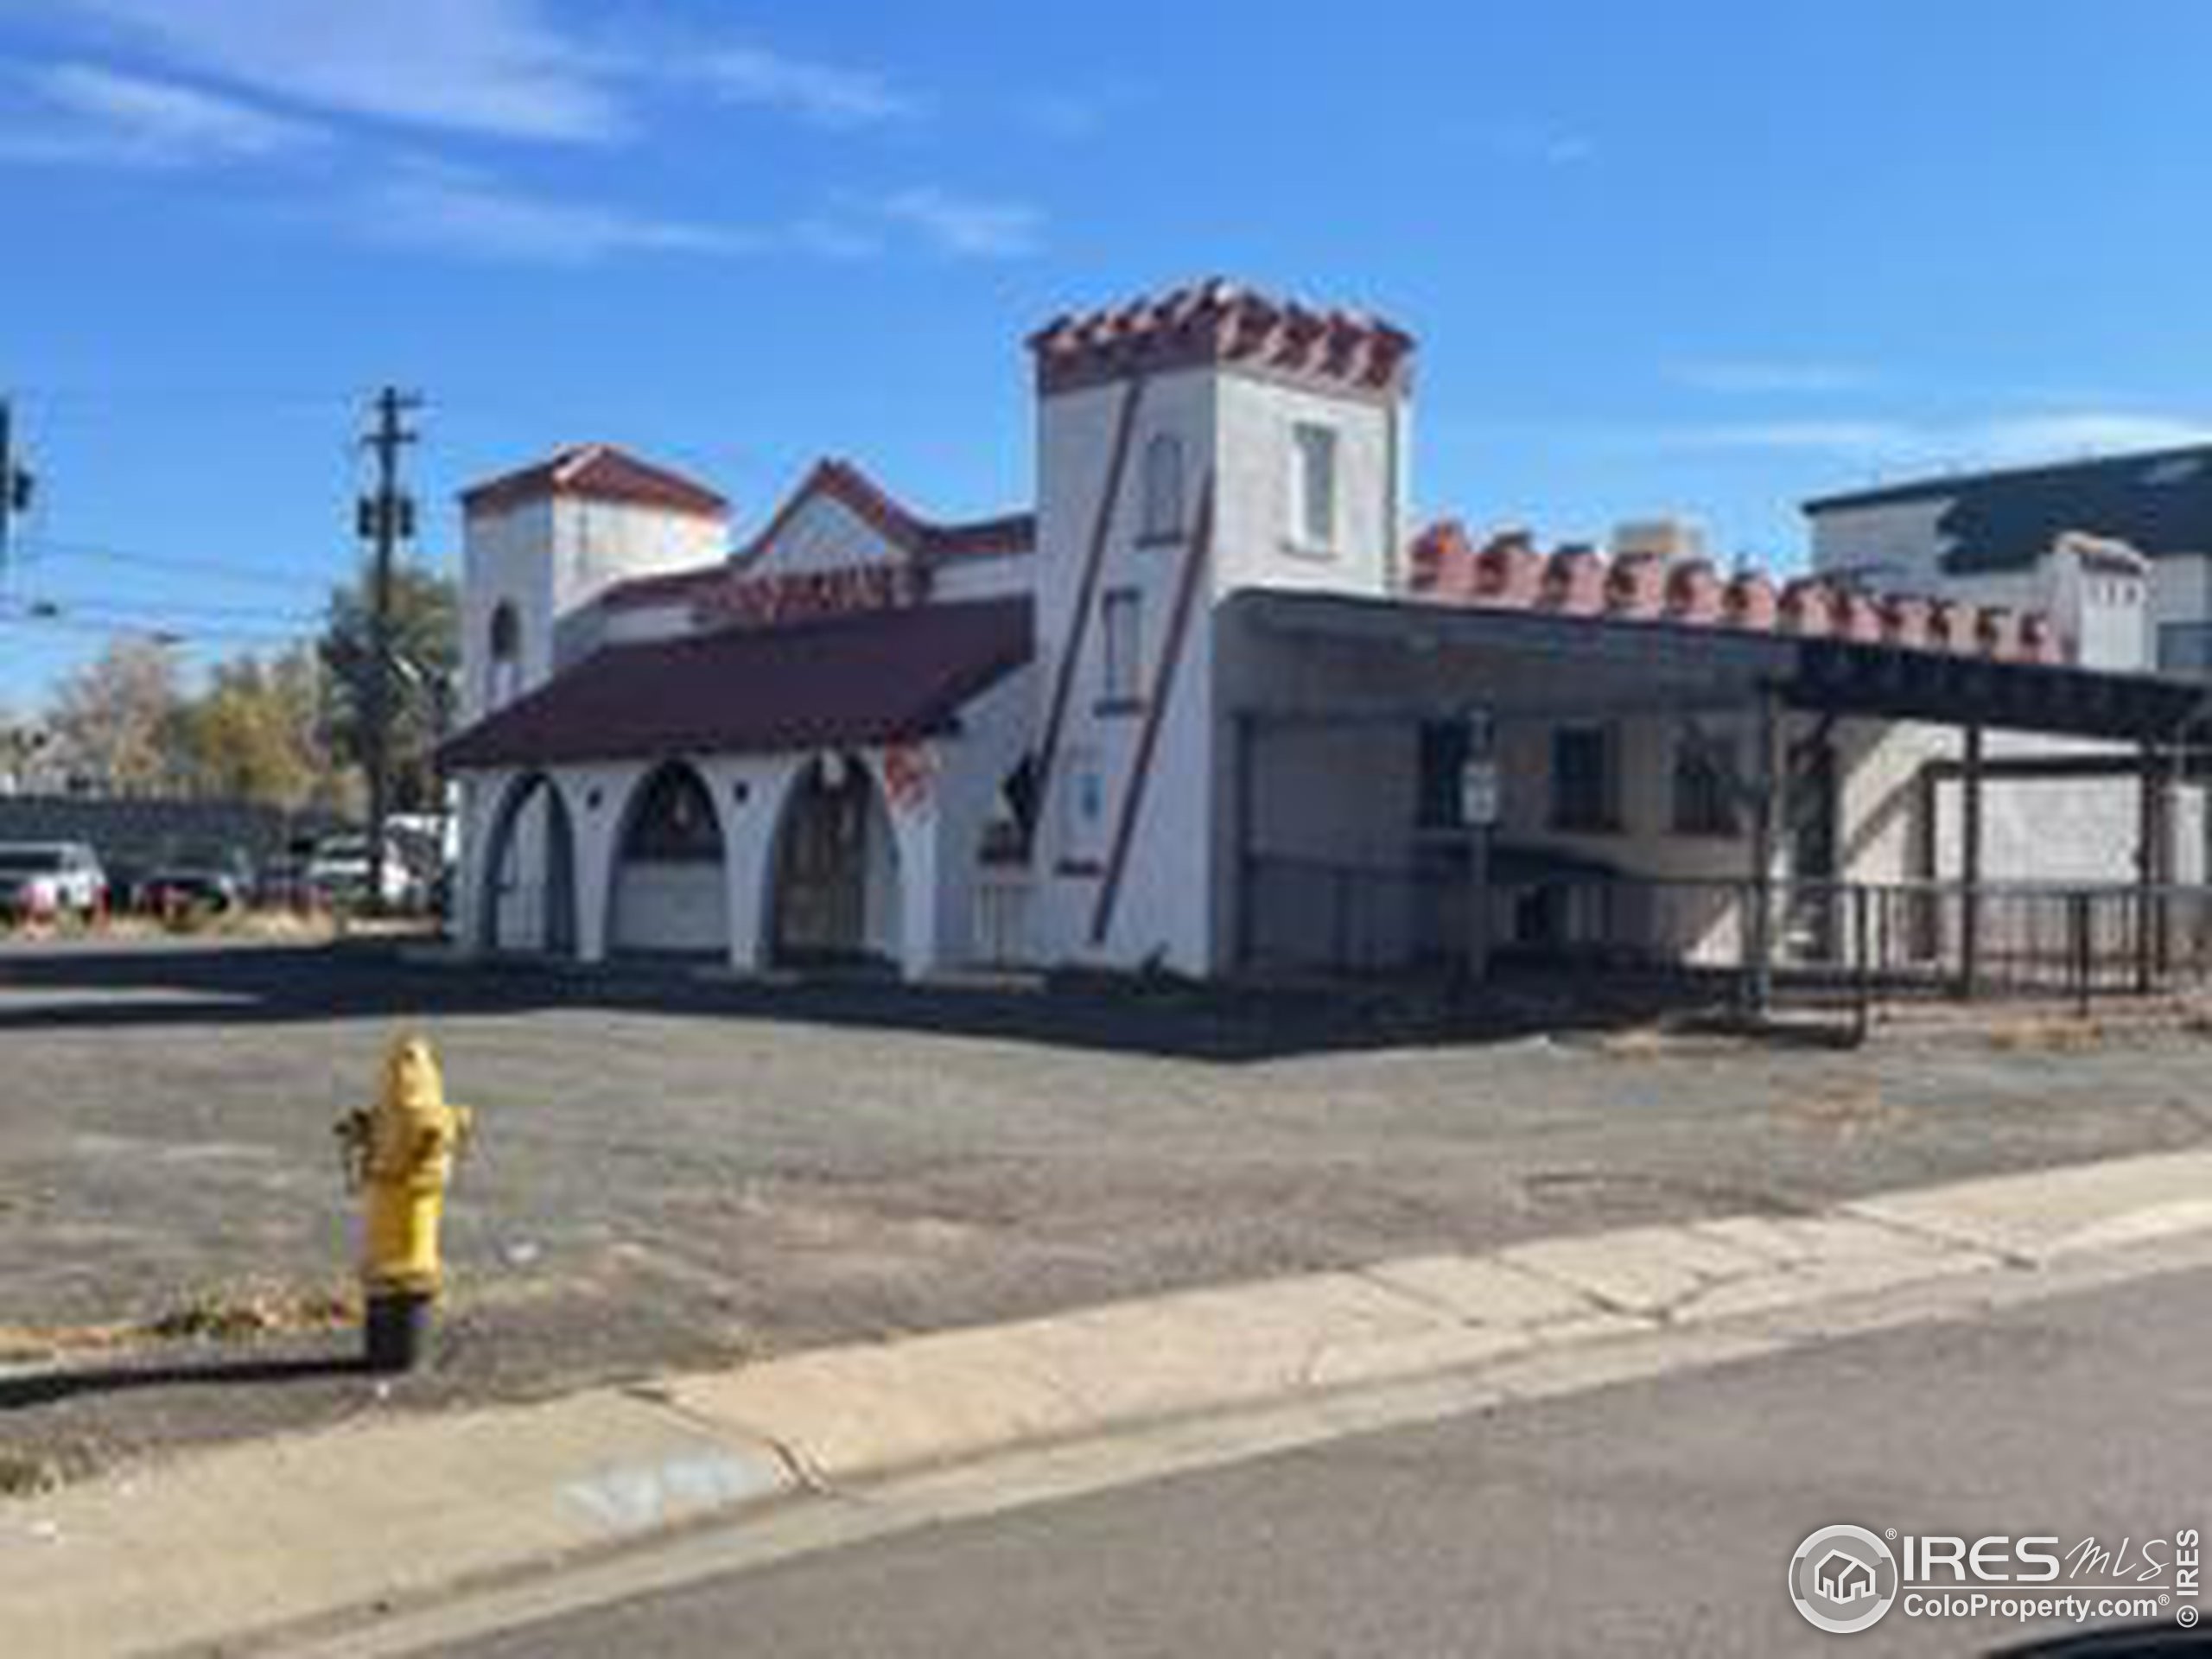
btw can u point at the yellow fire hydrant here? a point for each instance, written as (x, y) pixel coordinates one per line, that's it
(401, 1152)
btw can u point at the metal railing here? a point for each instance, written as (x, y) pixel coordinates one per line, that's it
(2078, 941)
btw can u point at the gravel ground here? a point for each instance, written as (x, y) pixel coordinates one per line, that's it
(676, 1173)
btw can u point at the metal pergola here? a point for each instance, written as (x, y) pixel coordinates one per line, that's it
(1697, 668)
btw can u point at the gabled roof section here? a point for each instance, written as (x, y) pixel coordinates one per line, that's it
(843, 482)
(926, 541)
(596, 472)
(884, 676)
(2157, 501)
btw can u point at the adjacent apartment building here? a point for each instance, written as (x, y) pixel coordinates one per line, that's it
(2121, 546)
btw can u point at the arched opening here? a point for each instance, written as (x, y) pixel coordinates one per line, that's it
(503, 656)
(836, 893)
(668, 895)
(528, 905)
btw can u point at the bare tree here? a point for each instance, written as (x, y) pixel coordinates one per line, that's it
(115, 719)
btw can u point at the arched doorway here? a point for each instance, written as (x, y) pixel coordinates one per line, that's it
(668, 895)
(528, 905)
(836, 894)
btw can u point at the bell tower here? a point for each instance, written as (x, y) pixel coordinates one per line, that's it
(541, 544)
(1188, 446)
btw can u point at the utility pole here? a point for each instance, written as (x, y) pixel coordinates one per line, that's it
(16, 482)
(385, 517)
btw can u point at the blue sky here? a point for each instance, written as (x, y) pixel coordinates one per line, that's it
(1695, 258)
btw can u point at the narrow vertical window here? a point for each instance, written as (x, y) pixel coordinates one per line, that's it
(505, 654)
(1120, 626)
(1313, 486)
(1585, 779)
(1705, 773)
(1163, 488)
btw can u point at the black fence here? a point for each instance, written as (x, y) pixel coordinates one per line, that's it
(1874, 939)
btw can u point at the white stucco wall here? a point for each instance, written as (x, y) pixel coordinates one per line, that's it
(1170, 859)
(550, 559)
(1236, 430)
(823, 534)
(1257, 541)
(991, 576)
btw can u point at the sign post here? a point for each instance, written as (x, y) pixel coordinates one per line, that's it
(1479, 812)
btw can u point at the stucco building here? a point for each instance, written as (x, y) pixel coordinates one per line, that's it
(1214, 703)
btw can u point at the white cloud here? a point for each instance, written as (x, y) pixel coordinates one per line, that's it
(1071, 113)
(457, 212)
(1843, 436)
(1995, 439)
(493, 66)
(2030, 436)
(967, 227)
(1062, 115)
(1759, 376)
(97, 115)
(1530, 143)
(827, 94)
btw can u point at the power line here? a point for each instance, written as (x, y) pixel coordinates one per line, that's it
(101, 552)
(49, 601)
(62, 622)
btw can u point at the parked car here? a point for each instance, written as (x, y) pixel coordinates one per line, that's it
(207, 879)
(339, 872)
(126, 884)
(41, 881)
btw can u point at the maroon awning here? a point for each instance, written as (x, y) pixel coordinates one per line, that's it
(882, 677)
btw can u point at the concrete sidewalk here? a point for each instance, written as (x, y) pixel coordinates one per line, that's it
(259, 1535)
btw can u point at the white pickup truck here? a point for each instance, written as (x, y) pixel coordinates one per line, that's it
(43, 881)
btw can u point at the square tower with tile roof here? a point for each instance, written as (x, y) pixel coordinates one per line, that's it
(1208, 440)
(540, 544)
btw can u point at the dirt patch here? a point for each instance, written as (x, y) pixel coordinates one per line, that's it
(230, 1314)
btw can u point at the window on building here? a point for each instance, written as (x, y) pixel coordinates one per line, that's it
(1444, 747)
(1585, 779)
(674, 822)
(2185, 649)
(1163, 488)
(1121, 626)
(1082, 808)
(1313, 486)
(1705, 795)
(504, 652)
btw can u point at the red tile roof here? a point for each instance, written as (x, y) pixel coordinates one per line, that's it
(595, 472)
(878, 677)
(1507, 573)
(668, 587)
(1220, 322)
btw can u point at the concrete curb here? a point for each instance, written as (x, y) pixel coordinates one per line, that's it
(260, 1535)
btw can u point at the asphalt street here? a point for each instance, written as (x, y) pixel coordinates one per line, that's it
(1656, 1517)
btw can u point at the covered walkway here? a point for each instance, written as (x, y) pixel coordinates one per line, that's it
(1738, 801)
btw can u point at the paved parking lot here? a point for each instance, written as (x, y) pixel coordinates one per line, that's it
(676, 1173)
